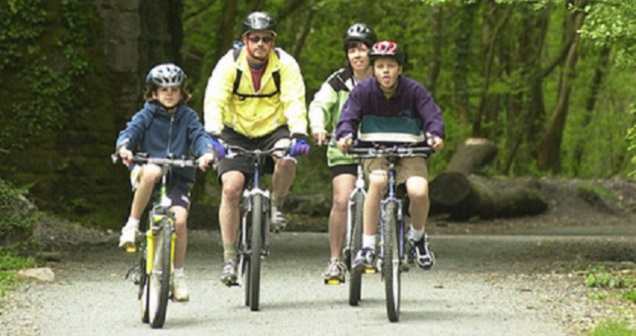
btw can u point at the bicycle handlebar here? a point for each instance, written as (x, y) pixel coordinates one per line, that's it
(392, 151)
(162, 162)
(279, 152)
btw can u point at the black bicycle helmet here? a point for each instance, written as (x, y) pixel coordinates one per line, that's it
(165, 75)
(359, 32)
(258, 21)
(387, 49)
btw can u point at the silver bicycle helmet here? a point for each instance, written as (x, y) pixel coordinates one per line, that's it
(258, 21)
(165, 75)
(359, 32)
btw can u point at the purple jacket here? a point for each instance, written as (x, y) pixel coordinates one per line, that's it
(410, 110)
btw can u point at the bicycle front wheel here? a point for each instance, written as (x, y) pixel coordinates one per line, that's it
(159, 280)
(254, 275)
(355, 281)
(143, 288)
(244, 254)
(391, 262)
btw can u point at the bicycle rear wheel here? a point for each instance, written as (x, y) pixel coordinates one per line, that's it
(391, 262)
(254, 274)
(355, 281)
(159, 280)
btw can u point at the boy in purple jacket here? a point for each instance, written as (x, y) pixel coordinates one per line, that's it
(391, 108)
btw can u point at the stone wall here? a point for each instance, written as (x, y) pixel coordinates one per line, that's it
(69, 171)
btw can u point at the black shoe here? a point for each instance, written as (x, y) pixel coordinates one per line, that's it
(421, 253)
(364, 259)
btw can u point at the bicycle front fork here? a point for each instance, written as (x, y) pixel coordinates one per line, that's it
(247, 209)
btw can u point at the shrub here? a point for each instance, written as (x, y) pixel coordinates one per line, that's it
(18, 214)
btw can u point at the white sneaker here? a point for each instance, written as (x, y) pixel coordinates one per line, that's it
(128, 235)
(278, 221)
(179, 288)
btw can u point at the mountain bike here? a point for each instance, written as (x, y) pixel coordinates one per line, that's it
(153, 269)
(353, 231)
(253, 243)
(353, 235)
(392, 259)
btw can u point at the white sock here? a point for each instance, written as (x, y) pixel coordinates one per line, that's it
(178, 271)
(416, 235)
(368, 241)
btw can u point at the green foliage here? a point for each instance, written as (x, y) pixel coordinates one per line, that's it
(631, 140)
(17, 216)
(10, 263)
(588, 134)
(613, 328)
(594, 193)
(615, 282)
(605, 276)
(44, 67)
(613, 23)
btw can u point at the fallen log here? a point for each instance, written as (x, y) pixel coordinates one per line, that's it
(463, 197)
(472, 154)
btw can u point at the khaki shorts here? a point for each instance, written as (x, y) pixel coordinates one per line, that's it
(404, 168)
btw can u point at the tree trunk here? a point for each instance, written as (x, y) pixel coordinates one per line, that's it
(531, 111)
(473, 154)
(549, 157)
(226, 36)
(435, 63)
(461, 69)
(590, 103)
(464, 197)
(491, 29)
(299, 41)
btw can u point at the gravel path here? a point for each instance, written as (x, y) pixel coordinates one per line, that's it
(491, 284)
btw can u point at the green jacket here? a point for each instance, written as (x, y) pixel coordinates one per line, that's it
(324, 110)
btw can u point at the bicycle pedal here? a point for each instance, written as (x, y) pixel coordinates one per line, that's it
(131, 249)
(370, 270)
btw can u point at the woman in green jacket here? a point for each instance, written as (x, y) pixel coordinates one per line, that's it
(324, 112)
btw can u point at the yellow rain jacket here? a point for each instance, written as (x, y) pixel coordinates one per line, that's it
(255, 116)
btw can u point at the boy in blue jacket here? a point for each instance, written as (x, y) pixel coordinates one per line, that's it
(165, 127)
(395, 109)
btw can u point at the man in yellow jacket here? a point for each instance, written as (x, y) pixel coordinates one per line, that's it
(255, 99)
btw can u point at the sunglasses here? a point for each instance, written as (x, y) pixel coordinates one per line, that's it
(256, 38)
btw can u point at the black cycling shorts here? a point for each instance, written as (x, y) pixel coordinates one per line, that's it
(245, 164)
(349, 169)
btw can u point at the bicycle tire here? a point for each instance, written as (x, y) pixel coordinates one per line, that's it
(391, 262)
(248, 283)
(143, 288)
(255, 254)
(244, 257)
(160, 276)
(355, 281)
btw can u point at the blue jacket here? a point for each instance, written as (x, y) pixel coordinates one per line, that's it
(152, 130)
(404, 117)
